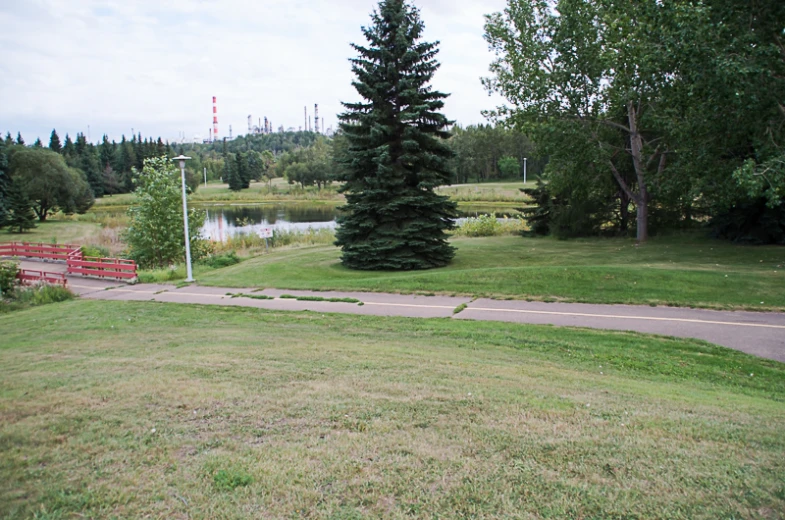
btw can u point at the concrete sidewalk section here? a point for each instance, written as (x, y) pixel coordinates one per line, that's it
(760, 334)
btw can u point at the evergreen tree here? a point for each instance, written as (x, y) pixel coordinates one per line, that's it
(20, 215)
(69, 148)
(9, 141)
(231, 174)
(54, 142)
(38, 143)
(5, 184)
(19, 140)
(106, 153)
(397, 154)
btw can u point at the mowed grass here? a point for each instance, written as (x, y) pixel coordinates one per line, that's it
(686, 270)
(144, 410)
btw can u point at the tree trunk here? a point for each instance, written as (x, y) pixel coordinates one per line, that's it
(643, 220)
(636, 148)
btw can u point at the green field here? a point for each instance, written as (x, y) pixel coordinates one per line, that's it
(143, 410)
(666, 271)
(59, 231)
(501, 192)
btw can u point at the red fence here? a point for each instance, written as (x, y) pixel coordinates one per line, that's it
(42, 251)
(103, 267)
(28, 276)
(72, 255)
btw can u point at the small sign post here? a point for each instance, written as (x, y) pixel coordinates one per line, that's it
(266, 233)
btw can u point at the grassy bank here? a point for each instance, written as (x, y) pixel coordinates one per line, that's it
(281, 191)
(134, 410)
(60, 231)
(667, 271)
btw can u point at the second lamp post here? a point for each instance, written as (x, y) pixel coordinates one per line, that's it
(189, 272)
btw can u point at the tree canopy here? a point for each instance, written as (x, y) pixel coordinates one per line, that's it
(49, 183)
(666, 98)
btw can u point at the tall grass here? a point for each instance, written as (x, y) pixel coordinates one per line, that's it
(252, 243)
(34, 296)
(490, 226)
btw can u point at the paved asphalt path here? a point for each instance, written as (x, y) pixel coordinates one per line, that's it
(757, 333)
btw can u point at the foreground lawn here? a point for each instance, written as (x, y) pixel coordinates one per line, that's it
(668, 271)
(142, 410)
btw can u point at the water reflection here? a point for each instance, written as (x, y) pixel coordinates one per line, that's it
(225, 221)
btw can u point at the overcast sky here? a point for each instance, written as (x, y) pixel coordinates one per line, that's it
(154, 65)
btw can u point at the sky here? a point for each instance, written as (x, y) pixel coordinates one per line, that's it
(152, 66)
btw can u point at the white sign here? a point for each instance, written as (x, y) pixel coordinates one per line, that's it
(266, 232)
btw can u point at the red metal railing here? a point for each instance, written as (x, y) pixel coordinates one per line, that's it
(42, 251)
(72, 255)
(102, 267)
(29, 277)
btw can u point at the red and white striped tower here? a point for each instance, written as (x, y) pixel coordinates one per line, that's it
(215, 118)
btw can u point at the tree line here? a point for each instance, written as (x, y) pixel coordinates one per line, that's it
(656, 114)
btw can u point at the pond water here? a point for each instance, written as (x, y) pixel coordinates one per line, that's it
(225, 221)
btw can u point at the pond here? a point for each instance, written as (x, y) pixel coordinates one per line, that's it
(225, 221)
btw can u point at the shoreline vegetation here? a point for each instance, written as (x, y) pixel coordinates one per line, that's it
(501, 193)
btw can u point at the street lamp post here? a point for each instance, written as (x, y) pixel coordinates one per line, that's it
(524, 169)
(190, 278)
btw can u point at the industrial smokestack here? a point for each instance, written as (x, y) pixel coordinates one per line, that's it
(316, 116)
(215, 117)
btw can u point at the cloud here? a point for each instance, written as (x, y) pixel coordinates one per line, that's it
(154, 65)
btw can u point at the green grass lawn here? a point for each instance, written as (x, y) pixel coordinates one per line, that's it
(62, 232)
(143, 410)
(673, 271)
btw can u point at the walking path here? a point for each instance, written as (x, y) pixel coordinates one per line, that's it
(757, 333)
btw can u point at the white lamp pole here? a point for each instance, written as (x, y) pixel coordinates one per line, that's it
(524, 169)
(190, 275)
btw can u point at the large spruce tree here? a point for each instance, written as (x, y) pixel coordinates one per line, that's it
(397, 153)
(5, 184)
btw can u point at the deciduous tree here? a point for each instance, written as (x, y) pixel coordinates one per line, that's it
(155, 234)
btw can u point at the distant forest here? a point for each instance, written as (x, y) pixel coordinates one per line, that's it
(483, 153)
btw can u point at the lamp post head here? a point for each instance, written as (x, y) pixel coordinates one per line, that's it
(182, 159)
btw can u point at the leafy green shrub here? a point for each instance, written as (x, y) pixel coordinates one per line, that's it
(229, 480)
(96, 251)
(42, 295)
(223, 260)
(8, 272)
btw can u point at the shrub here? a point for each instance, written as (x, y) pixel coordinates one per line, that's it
(42, 295)
(8, 272)
(96, 251)
(223, 260)
(489, 226)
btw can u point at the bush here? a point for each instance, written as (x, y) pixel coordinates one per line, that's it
(220, 261)
(8, 272)
(489, 226)
(42, 295)
(96, 251)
